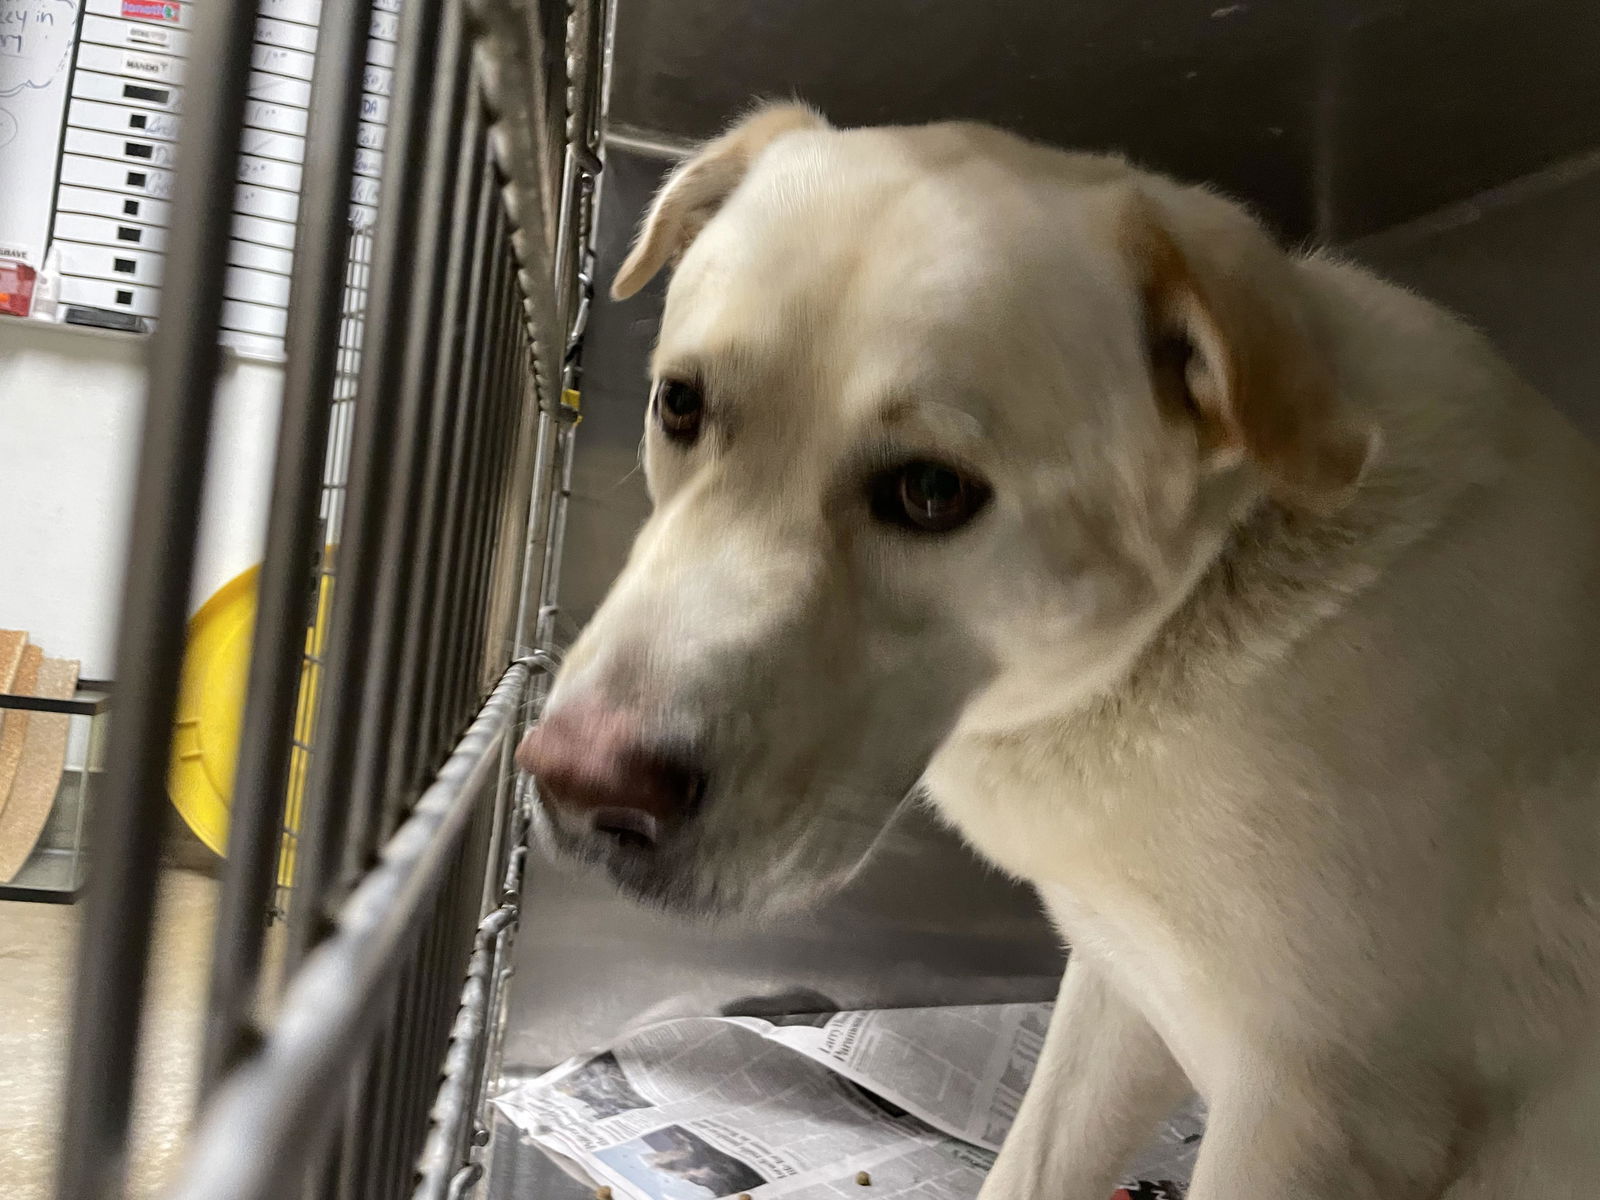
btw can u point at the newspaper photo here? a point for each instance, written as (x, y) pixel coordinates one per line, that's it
(884, 1104)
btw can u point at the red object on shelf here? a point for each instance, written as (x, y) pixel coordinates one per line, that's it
(16, 287)
(153, 10)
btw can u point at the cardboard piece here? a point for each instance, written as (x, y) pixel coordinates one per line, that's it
(12, 644)
(14, 722)
(38, 778)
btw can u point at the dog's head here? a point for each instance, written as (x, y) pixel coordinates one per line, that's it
(943, 426)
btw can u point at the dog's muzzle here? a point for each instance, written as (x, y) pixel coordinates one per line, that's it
(599, 774)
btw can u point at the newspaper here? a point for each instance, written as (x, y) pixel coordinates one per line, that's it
(871, 1105)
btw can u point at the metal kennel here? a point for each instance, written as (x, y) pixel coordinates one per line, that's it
(426, 458)
(423, 452)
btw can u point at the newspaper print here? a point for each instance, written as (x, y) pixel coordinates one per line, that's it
(867, 1105)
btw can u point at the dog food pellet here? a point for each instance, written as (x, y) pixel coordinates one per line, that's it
(744, 1196)
(863, 1179)
(602, 1193)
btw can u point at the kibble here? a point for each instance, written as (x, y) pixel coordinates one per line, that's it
(863, 1179)
(744, 1196)
(602, 1193)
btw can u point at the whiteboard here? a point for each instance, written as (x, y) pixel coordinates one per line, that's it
(36, 40)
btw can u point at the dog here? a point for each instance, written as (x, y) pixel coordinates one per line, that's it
(1240, 602)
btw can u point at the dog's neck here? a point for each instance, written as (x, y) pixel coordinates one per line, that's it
(1278, 576)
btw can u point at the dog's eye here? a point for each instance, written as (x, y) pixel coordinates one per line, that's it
(927, 497)
(679, 407)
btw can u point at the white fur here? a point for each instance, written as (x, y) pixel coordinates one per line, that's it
(1311, 791)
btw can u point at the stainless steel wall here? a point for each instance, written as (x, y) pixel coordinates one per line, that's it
(1336, 117)
(1523, 265)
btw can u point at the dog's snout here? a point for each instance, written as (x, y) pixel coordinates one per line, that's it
(594, 765)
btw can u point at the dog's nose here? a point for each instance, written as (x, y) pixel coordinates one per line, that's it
(593, 764)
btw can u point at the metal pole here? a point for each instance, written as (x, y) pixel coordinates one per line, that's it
(478, 394)
(491, 501)
(288, 591)
(411, 751)
(329, 802)
(381, 796)
(183, 365)
(463, 395)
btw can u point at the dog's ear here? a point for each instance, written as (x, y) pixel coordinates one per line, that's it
(696, 189)
(1232, 343)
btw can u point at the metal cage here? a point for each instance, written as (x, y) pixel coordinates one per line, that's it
(422, 462)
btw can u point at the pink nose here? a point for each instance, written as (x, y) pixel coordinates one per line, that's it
(592, 763)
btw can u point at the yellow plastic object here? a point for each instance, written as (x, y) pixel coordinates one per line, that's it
(205, 749)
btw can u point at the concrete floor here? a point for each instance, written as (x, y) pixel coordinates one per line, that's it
(37, 959)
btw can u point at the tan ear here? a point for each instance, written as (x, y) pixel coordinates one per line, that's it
(1252, 365)
(696, 189)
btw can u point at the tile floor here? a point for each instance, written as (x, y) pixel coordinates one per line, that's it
(37, 958)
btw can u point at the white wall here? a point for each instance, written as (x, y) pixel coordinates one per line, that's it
(70, 401)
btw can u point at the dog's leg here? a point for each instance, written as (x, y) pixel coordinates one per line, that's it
(1328, 1133)
(1104, 1079)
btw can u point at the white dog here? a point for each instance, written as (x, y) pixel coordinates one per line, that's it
(1242, 603)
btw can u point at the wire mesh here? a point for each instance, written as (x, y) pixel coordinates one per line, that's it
(324, 572)
(418, 503)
